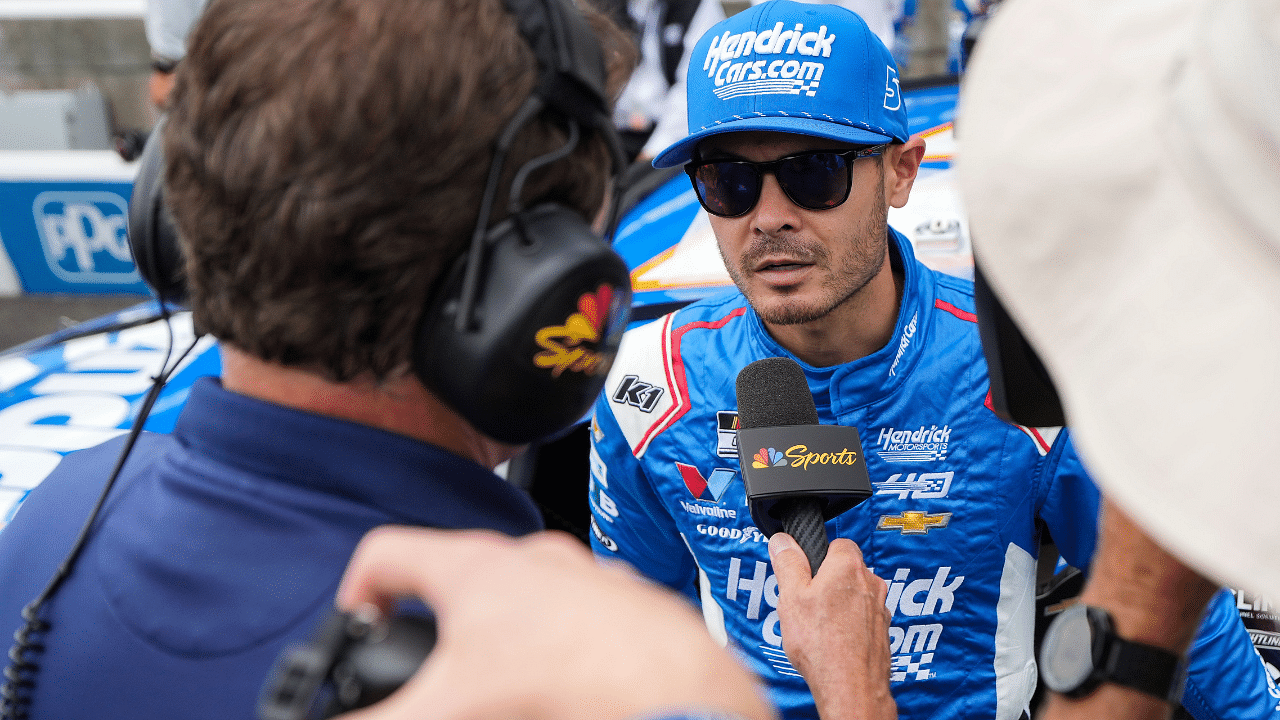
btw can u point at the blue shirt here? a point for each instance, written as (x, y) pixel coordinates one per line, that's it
(220, 544)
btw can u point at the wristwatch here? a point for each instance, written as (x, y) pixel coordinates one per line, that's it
(1081, 651)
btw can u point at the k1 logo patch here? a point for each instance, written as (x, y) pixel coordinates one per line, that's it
(637, 393)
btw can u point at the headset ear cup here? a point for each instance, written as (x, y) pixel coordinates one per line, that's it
(552, 306)
(153, 237)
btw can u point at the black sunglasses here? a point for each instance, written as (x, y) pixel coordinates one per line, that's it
(817, 180)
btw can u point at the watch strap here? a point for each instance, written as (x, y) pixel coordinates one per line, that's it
(1146, 668)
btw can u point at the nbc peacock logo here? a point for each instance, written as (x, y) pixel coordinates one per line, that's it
(571, 346)
(767, 457)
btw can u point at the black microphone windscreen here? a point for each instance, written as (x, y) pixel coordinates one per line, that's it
(773, 392)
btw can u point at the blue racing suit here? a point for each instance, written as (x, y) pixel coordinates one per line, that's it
(952, 526)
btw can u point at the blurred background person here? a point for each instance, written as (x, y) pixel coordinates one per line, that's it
(167, 24)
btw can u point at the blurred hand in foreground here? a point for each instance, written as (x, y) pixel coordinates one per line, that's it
(835, 629)
(536, 628)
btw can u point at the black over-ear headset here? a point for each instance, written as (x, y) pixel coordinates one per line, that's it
(523, 327)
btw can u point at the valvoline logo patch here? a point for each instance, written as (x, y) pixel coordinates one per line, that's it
(767, 457)
(712, 488)
(563, 345)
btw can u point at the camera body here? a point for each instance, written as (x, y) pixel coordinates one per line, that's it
(352, 661)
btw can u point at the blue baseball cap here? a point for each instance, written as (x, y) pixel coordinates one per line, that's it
(795, 68)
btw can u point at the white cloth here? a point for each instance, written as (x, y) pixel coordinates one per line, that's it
(1120, 163)
(168, 23)
(648, 100)
(880, 15)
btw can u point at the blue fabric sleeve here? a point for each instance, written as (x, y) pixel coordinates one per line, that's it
(628, 521)
(1226, 679)
(1069, 502)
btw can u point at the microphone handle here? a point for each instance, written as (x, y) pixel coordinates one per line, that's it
(802, 520)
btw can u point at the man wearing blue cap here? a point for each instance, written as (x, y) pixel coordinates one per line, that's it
(798, 146)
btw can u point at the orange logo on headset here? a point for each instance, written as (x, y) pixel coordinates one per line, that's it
(562, 345)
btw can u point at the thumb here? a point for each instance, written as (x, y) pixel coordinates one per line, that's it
(790, 563)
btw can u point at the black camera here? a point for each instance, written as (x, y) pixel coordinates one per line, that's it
(353, 660)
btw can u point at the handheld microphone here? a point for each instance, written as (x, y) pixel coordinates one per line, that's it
(798, 474)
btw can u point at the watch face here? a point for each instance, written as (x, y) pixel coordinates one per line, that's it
(1066, 659)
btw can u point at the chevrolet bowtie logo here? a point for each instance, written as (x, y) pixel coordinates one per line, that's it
(913, 522)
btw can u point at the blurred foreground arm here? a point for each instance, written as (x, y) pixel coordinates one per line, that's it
(835, 629)
(536, 628)
(1152, 597)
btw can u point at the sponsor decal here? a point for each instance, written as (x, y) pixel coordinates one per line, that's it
(753, 588)
(907, 333)
(712, 488)
(639, 394)
(756, 585)
(767, 457)
(750, 534)
(599, 469)
(605, 540)
(925, 444)
(727, 433)
(83, 235)
(83, 393)
(1262, 620)
(924, 486)
(913, 522)
(563, 346)
(596, 432)
(912, 665)
(1265, 639)
(603, 505)
(731, 60)
(798, 456)
(911, 648)
(939, 595)
(708, 510)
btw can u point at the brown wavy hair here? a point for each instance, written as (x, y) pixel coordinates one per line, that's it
(326, 158)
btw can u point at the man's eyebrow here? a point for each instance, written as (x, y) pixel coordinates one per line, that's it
(718, 154)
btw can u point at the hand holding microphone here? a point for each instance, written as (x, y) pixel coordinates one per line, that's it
(835, 629)
(798, 473)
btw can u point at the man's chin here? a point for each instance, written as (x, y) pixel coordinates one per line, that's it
(788, 310)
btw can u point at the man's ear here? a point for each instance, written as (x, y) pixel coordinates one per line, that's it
(902, 162)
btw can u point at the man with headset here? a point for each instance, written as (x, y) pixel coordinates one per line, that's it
(798, 146)
(328, 164)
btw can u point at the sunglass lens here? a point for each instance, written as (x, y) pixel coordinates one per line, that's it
(727, 189)
(816, 181)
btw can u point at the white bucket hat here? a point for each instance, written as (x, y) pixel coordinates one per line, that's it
(1120, 163)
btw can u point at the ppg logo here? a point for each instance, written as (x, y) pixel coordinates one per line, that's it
(84, 236)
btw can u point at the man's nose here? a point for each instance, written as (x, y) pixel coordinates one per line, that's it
(774, 211)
